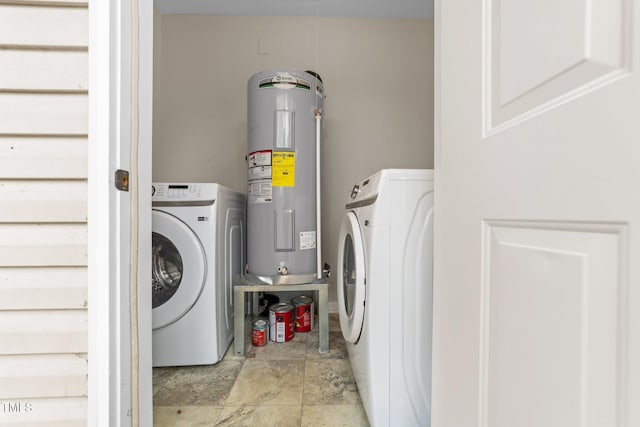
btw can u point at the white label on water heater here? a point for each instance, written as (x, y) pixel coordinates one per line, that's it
(259, 158)
(259, 177)
(259, 172)
(307, 240)
(259, 191)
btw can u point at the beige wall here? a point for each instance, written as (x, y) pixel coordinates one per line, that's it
(378, 77)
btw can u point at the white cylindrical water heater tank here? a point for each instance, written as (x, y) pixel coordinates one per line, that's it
(283, 218)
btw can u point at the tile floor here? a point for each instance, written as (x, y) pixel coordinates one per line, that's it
(280, 384)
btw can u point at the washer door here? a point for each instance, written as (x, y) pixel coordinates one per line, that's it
(178, 271)
(351, 278)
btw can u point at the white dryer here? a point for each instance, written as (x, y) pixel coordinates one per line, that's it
(198, 248)
(384, 281)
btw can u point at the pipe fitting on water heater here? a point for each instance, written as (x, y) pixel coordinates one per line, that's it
(282, 269)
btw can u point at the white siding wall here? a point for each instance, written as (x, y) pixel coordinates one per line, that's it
(43, 212)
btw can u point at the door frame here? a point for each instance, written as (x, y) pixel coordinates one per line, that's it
(119, 222)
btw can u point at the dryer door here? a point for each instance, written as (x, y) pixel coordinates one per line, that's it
(351, 278)
(178, 268)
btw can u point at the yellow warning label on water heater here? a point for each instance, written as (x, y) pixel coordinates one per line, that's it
(283, 168)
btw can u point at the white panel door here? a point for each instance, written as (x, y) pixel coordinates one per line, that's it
(537, 223)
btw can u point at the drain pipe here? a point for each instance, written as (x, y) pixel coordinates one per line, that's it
(319, 272)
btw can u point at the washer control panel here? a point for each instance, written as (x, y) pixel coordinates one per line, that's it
(167, 192)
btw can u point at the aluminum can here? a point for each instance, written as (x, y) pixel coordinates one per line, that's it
(259, 333)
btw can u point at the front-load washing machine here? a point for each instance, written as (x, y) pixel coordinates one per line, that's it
(384, 281)
(198, 248)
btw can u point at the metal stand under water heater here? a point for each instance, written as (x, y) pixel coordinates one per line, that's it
(284, 244)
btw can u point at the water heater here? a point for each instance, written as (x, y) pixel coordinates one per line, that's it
(283, 166)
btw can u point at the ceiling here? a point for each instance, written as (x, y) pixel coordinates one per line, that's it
(415, 9)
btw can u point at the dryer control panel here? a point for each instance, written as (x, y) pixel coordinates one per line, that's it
(366, 188)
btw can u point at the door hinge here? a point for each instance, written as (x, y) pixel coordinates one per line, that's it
(122, 180)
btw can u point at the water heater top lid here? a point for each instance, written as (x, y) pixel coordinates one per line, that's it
(287, 79)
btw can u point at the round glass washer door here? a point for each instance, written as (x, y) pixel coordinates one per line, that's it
(178, 270)
(351, 278)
